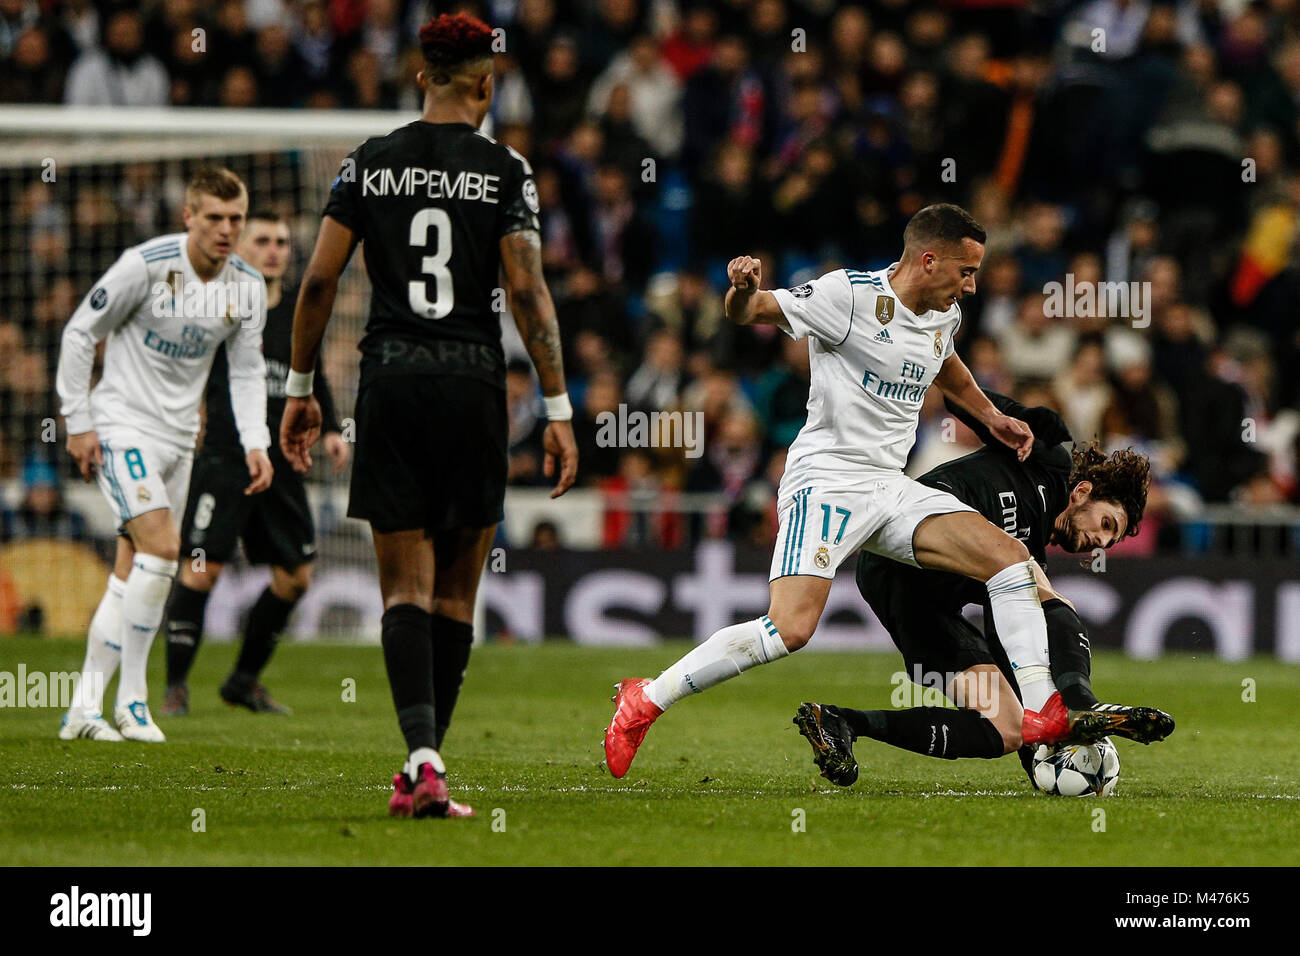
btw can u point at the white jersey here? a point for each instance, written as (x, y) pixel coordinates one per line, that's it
(164, 326)
(872, 362)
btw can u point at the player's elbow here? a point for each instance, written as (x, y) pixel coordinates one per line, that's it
(317, 286)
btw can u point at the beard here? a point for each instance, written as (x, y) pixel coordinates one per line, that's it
(1070, 539)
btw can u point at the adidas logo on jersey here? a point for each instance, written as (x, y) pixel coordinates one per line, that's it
(883, 336)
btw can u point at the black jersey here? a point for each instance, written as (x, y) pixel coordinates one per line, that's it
(220, 434)
(1022, 498)
(430, 202)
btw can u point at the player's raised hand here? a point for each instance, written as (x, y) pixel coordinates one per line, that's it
(260, 470)
(745, 273)
(85, 449)
(1013, 433)
(558, 444)
(299, 429)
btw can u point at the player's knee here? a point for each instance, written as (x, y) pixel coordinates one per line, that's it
(197, 579)
(162, 546)
(795, 630)
(291, 585)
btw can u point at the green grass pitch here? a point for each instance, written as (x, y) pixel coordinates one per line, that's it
(722, 779)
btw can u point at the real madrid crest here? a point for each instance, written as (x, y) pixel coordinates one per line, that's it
(938, 345)
(822, 558)
(142, 493)
(884, 309)
(230, 315)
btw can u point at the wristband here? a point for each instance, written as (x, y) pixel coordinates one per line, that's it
(558, 408)
(299, 384)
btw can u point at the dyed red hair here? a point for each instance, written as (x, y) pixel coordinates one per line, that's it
(452, 39)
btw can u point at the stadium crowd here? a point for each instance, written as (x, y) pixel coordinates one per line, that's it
(1111, 141)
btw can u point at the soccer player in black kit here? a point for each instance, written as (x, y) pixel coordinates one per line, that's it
(442, 210)
(1078, 499)
(275, 525)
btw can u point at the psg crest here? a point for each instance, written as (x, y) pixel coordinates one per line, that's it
(884, 309)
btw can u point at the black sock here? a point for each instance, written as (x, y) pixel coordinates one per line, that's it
(1071, 658)
(265, 622)
(408, 656)
(451, 646)
(933, 731)
(184, 630)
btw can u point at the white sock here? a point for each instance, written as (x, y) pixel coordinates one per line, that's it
(1018, 616)
(142, 611)
(103, 651)
(723, 656)
(423, 755)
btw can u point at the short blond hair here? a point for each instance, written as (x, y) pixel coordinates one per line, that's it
(213, 181)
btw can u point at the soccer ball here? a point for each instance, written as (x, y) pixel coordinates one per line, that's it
(1076, 770)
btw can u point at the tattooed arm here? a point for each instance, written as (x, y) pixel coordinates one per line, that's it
(534, 312)
(530, 302)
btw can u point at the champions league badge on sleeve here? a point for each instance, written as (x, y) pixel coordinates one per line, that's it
(803, 291)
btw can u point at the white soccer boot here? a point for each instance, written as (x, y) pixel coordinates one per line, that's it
(90, 727)
(136, 723)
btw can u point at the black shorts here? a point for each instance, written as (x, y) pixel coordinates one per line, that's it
(921, 610)
(430, 454)
(275, 524)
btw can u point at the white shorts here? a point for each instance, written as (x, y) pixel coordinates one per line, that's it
(140, 474)
(823, 524)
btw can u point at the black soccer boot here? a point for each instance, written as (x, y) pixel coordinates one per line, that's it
(1144, 725)
(831, 740)
(242, 690)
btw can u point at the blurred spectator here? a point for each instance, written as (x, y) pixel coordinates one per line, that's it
(31, 74)
(654, 94)
(1036, 346)
(43, 512)
(782, 398)
(122, 74)
(1085, 392)
(277, 66)
(656, 384)
(526, 424)
(598, 450)
(689, 48)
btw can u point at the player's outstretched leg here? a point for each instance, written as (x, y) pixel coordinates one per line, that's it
(84, 720)
(797, 601)
(831, 739)
(1071, 671)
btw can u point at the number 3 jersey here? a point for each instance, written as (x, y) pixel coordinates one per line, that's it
(872, 362)
(430, 202)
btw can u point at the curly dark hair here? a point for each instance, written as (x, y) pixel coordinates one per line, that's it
(1123, 477)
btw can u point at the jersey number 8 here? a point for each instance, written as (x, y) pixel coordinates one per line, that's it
(444, 293)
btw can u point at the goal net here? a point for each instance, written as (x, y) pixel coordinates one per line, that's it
(77, 186)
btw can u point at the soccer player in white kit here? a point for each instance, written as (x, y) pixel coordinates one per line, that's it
(165, 306)
(878, 341)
